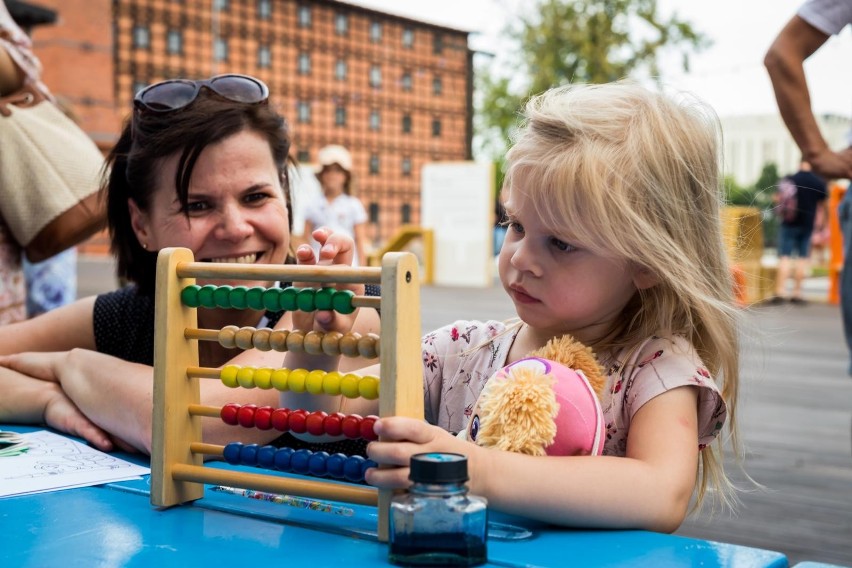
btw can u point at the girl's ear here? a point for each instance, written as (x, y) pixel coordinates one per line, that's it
(643, 278)
(139, 222)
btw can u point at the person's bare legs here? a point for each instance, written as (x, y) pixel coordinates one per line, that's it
(802, 267)
(781, 277)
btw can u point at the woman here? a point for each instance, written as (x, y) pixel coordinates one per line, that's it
(201, 165)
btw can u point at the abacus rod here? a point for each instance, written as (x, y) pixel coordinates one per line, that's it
(282, 272)
(204, 410)
(276, 484)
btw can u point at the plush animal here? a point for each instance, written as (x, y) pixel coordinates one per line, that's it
(546, 404)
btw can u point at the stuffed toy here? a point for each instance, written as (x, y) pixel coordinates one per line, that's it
(546, 404)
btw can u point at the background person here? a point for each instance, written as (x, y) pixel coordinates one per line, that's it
(338, 208)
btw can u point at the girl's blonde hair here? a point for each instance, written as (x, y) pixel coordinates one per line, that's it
(633, 174)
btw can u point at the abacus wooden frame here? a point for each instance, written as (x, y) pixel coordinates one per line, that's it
(178, 473)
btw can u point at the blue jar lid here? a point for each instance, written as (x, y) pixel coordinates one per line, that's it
(438, 468)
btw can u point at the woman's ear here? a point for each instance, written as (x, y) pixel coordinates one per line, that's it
(139, 223)
(643, 278)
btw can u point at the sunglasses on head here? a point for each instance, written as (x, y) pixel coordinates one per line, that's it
(175, 94)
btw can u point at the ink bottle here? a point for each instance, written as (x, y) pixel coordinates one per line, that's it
(437, 523)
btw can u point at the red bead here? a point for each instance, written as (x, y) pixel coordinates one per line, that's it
(263, 418)
(229, 413)
(333, 423)
(246, 415)
(314, 423)
(298, 421)
(352, 426)
(281, 419)
(367, 428)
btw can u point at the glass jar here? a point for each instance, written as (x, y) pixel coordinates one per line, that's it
(437, 523)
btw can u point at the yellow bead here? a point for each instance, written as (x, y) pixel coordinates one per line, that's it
(331, 383)
(228, 376)
(349, 385)
(313, 382)
(368, 387)
(263, 378)
(227, 335)
(280, 378)
(245, 377)
(296, 381)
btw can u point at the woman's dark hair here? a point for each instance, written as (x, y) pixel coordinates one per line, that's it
(147, 140)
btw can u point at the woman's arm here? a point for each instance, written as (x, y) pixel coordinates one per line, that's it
(648, 489)
(360, 231)
(61, 329)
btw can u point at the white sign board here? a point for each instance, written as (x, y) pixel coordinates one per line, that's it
(457, 203)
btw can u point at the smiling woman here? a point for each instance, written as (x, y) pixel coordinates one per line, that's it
(201, 165)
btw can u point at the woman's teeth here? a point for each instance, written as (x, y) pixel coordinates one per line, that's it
(246, 259)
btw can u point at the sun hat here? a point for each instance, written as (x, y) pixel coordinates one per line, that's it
(334, 154)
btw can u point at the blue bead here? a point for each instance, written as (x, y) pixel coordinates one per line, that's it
(334, 465)
(266, 457)
(282, 459)
(299, 461)
(248, 454)
(316, 464)
(352, 468)
(232, 453)
(367, 465)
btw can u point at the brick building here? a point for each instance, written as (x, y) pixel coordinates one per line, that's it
(397, 92)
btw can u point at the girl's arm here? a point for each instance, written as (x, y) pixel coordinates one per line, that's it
(360, 232)
(57, 330)
(648, 489)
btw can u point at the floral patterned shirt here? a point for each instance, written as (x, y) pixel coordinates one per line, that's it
(458, 360)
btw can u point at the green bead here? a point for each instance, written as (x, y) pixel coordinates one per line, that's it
(342, 301)
(323, 299)
(287, 299)
(305, 299)
(238, 297)
(222, 296)
(189, 296)
(254, 297)
(270, 299)
(205, 296)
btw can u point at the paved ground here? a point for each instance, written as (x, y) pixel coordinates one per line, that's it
(795, 416)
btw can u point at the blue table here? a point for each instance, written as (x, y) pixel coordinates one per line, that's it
(115, 525)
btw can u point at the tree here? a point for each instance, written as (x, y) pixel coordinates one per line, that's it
(576, 41)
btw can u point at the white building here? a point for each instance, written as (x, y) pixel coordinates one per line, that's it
(755, 140)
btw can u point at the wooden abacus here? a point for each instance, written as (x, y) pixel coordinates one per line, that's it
(178, 473)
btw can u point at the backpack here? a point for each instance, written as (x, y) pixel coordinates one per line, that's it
(787, 203)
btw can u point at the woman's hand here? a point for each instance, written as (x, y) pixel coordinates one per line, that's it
(401, 438)
(42, 366)
(61, 414)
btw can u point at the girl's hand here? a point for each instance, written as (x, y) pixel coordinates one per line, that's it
(61, 414)
(402, 438)
(335, 249)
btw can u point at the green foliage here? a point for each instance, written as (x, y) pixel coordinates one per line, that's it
(575, 41)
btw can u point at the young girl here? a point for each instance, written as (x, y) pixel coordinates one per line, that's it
(612, 195)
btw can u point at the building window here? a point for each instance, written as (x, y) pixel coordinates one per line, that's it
(264, 57)
(436, 127)
(303, 111)
(221, 5)
(340, 70)
(303, 156)
(174, 42)
(375, 76)
(406, 123)
(264, 9)
(304, 16)
(304, 64)
(375, 31)
(437, 85)
(407, 37)
(340, 115)
(374, 164)
(341, 24)
(220, 49)
(141, 37)
(375, 119)
(406, 166)
(406, 81)
(438, 43)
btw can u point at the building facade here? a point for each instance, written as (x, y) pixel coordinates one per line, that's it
(395, 91)
(753, 141)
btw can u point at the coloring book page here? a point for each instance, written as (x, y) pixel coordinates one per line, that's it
(54, 462)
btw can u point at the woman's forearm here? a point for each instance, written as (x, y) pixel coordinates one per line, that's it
(24, 399)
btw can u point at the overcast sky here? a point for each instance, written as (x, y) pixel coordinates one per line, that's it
(729, 75)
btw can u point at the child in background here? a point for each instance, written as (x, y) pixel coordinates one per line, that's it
(612, 196)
